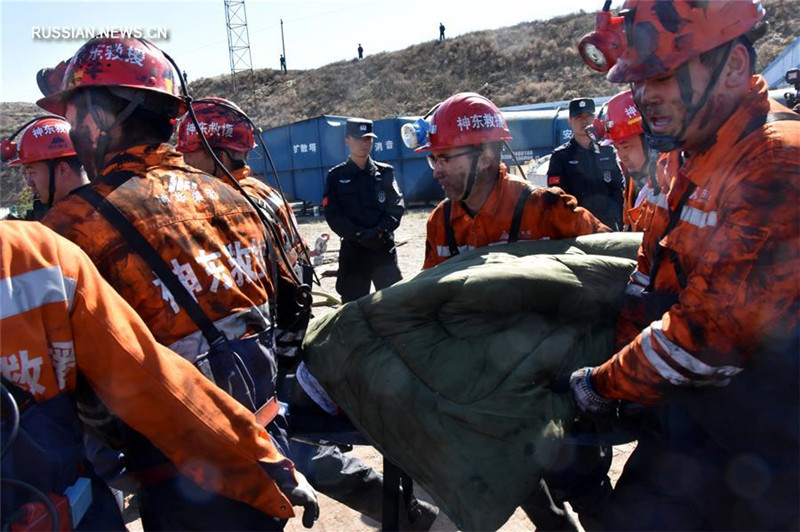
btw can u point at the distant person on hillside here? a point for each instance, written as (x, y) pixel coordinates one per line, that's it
(441, 31)
(360, 52)
(588, 171)
(283, 63)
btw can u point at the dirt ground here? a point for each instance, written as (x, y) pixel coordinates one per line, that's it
(335, 517)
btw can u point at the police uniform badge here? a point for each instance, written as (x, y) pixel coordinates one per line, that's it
(607, 176)
(381, 197)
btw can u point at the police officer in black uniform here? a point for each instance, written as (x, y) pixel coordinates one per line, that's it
(586, 170)
(363, 206)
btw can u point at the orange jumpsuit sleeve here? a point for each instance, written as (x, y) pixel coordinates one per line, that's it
(435, 237)
(207, 434)
(553, 213)
(743, 289)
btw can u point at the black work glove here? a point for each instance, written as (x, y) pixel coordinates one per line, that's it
(587, 399)
(372, 238)
(300, 493)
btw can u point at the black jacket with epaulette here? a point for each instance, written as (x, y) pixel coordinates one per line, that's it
(593, 177)
(357, 199)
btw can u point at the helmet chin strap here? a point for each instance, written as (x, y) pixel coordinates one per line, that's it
(473, 173)
(51, 185)
(648, 170)
(104, 138)
(667, 143)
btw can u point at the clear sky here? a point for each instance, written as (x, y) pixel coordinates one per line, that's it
(316, 33)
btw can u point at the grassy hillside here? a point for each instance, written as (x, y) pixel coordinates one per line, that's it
(527, 63)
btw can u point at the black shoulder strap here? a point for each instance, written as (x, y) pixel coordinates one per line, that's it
(658, 252)
(513, 232)
(141, 246)
(21, 396)
(448, 228)
(759, 121)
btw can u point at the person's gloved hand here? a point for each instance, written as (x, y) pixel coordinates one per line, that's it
(588, 400)
(372, 238)
(300, 493)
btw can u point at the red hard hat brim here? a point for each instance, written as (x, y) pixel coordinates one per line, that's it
(55, 103)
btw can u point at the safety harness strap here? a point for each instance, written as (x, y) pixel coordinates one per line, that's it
(658, 252)
(513, 232)
(766, 119)
(448, 228)
(21, 396)
(143, 248)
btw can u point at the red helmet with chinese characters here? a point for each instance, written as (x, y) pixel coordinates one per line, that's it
(43, 140)
(623, 119)
(223, 124)
(661, 35)
(125, 63)
(465, 119)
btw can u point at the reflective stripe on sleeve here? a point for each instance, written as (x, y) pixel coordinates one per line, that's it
(698, 218)
(30, 290)
(659, 200)
(707, 375)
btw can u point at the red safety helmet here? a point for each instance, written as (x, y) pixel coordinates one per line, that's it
(661, 35)
(224, 125)
(126, 63)
(623, 119)
(42, 140)
(465, 119)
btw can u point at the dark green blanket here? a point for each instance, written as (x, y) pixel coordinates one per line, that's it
(449, 374)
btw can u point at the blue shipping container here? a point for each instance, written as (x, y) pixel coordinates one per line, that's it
(387, 146)
(305, 144)
(279, 145)
(416, 181)
(309, 184)
(331, 136)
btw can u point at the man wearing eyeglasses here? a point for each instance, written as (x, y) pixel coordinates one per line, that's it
(363, 205)
(483, 204)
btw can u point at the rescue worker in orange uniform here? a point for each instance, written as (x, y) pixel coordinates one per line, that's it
(716, 293)
(146, 210)
(622, 128)
(48, 160)
(343, 478)
(231, 136)
(485, 205)
(61, 324)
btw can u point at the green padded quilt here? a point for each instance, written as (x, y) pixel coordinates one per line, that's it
(449, 373)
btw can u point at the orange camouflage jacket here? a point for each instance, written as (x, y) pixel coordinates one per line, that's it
(200, 226)
(548, 213)
(291, 241)
(736, 244)
(58, 316)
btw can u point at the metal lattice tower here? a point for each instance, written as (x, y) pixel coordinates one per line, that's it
(238, 41)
